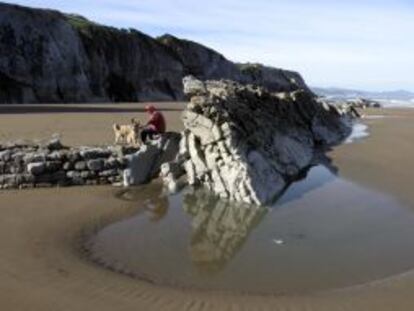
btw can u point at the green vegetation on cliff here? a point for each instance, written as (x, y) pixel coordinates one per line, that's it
(78, 21)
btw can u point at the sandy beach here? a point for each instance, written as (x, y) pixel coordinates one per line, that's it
(383, 160)
(77, 124)
(43, 265)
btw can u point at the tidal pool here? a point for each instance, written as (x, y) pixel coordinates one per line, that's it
(323, 233)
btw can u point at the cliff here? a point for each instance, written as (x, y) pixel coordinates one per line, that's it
(48, 56)
(206, 64)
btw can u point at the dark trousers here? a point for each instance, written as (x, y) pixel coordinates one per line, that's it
(147, 134)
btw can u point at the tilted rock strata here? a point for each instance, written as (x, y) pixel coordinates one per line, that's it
(351, 106)
(247, 144)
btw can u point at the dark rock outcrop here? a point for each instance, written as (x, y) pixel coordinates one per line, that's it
(247, 144)
(206, 64)
(47, 56)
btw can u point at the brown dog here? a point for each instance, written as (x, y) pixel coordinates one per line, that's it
(128, 133)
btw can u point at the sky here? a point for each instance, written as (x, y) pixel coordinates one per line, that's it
(360, 44)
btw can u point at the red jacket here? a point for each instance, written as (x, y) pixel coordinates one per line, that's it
(157, 122)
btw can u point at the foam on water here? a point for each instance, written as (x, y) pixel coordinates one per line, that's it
(394, 103)
(359, 131)
(374, 117)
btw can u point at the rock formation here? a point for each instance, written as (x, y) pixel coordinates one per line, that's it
(47, 56)
(145, 164)
(245, 143)
(207, 64)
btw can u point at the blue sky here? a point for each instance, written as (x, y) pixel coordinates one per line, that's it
(355, 44)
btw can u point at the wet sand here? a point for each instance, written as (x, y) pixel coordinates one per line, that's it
(43, 267)
(384, 160)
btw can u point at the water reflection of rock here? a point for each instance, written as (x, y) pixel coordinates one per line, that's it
(220, 228)
(149, 199)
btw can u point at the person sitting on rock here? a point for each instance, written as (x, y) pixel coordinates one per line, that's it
(155, 124)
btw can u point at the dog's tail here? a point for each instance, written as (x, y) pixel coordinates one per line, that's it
(116, 127)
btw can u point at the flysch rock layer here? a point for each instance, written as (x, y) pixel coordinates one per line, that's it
(245, 143)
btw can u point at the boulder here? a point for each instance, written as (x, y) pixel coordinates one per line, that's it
(109, 173)
(146, 162)
(88, 174)
(35, 157)
(94, 153)
(80, 165)
(53, 166)
(36, 168)
(95, 165)
(5, 155)
(54, 144)
(67, 166)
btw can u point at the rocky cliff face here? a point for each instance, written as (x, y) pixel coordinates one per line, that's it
(47, 56)
(207, 64)
(247, 144)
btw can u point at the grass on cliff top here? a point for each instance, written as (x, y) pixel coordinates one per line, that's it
(78, 21)
(251, 68)
(92, 29)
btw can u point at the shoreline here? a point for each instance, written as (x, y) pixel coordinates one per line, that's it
(375, 161)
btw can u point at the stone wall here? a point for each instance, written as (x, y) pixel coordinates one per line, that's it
(52, 164)
(34, 165)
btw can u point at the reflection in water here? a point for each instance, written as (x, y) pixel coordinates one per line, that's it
(219, 228)
(323, 232)
(151, 200)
